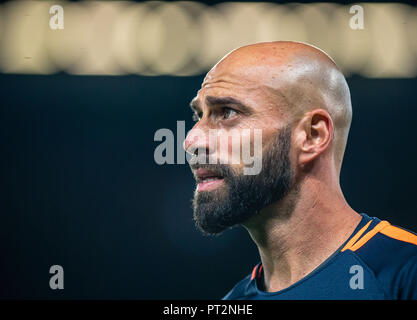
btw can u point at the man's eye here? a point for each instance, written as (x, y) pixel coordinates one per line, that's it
(228, 113)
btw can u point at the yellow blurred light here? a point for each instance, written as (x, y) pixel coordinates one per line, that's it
(390, 56)
(22, 42)
(186, 38)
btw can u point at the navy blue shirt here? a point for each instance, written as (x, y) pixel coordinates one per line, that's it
(378, 261)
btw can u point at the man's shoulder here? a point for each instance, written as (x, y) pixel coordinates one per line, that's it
(390, 253)
(385, 244)
(387, 252)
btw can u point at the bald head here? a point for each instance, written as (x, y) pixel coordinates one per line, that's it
(300, 76)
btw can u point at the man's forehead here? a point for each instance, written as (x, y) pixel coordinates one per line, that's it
(266, 63)
(228, 82)
(244, 79)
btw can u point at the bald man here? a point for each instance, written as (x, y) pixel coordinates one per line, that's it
(312, 244)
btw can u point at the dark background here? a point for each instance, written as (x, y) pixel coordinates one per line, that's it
(79, 186)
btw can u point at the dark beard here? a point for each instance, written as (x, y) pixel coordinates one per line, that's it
(243, 196)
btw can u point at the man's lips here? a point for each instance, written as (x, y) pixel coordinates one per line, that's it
(207, 179)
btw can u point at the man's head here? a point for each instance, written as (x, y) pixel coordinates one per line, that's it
(297, 97)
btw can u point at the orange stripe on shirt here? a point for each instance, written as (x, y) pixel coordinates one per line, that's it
(253, 273)
(260, 270)
(400, 234)
(369, 235)
(356, 236)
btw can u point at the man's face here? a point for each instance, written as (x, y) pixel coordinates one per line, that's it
(230, 110)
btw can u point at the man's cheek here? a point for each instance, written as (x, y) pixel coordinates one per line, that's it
(252, 151)
(228, 147)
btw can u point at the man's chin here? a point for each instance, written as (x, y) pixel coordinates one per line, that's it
(211, 210)
(209, 226)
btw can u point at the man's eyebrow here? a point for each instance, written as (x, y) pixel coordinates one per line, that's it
(211, 100)
(195, 105)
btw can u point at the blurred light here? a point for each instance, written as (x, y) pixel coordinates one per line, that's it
(187, 38)
(23, 47)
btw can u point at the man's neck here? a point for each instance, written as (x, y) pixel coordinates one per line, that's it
(300, 232)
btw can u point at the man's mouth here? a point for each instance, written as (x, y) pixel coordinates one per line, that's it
(207, 180)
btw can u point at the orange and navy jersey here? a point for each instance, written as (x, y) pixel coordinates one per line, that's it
(378, 261)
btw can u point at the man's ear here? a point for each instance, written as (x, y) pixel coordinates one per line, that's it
(313, 135)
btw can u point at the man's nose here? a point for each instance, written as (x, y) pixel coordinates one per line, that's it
(197, 142)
